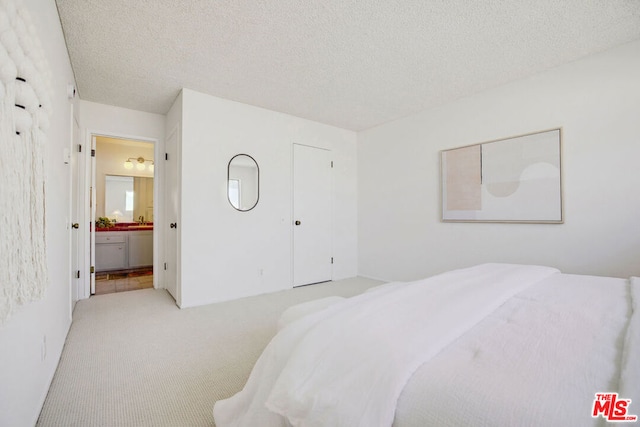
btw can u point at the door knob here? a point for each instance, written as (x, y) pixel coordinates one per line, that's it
(173, 225)
(297, 223)
(75, 225)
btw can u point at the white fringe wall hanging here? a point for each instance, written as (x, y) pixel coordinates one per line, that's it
(25, 107)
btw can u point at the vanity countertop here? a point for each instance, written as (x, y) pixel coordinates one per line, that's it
(126, 226)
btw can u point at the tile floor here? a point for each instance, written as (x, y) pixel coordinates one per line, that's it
(107, 283)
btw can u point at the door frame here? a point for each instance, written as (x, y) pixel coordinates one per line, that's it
(87, 176)
(331, 208)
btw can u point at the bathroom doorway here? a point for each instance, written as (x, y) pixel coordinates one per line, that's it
(123, 215)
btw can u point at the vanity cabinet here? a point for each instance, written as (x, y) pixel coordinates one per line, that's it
(140, 248)
(111, 251)
(117, 250)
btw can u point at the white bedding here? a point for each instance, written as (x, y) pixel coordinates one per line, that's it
(522, 345)
(630, 375)
(537, 361)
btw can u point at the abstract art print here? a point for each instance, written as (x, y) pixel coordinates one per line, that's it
(515, 179)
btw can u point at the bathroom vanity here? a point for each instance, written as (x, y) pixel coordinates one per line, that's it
(124, 247)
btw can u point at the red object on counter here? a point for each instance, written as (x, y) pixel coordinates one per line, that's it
(126, 226)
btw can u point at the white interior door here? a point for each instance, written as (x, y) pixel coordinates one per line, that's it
(77, 212)
(92, 217)
(172, 205)
(311, 215)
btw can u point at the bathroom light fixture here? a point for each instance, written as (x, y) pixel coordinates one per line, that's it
(140, 163)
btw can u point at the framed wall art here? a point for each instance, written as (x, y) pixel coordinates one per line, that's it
(516, 179)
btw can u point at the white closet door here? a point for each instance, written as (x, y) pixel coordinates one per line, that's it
(172, 214)
(77, 211)
(311, 215)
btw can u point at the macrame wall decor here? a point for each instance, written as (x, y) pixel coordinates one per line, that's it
(25, 107)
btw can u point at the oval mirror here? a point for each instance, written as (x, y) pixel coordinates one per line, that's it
(243, 182)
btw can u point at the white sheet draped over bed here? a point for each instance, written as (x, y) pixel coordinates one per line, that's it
(348, 364)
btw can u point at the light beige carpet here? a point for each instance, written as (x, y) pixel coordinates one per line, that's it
(135, 359)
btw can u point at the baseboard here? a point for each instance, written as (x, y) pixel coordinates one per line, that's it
(374, 278)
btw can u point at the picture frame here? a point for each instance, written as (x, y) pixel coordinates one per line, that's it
(516, 179)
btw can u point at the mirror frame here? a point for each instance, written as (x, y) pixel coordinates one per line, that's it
(257, 182)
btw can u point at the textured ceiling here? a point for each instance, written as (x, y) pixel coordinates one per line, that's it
(349, 63)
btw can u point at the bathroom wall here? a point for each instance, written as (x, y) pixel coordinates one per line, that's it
(110, 157)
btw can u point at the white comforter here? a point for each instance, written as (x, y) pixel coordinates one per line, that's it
(347, 365)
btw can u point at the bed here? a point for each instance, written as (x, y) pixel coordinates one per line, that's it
(490, 345)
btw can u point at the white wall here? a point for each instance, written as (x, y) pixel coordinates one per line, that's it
(25, 370)
(122, 122)
(223, 250)
(597, 102)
